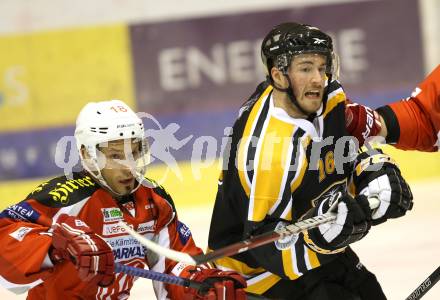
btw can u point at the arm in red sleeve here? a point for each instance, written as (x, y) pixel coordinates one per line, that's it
(176, 236)
(173, 234)
(414, 123)
(24, 261)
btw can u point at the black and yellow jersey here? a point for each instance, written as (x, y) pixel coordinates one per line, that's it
(275, 169)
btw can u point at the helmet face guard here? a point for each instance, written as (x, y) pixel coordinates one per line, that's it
(136, 164)
(103, 122)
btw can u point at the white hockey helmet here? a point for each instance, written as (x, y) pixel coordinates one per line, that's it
(102, 122)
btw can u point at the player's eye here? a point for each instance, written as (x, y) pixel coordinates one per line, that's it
(135, 154)
(305, 69)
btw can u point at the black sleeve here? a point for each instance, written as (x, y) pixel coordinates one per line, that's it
(391, 123)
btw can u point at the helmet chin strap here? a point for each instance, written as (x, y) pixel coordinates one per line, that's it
(292, 98)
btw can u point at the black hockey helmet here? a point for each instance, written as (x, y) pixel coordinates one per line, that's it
(285, 41)
(289, 39)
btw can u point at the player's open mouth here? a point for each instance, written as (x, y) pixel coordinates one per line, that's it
(313, 94)
(126, 181)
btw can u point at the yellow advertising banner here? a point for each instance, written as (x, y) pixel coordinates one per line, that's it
(46, 77)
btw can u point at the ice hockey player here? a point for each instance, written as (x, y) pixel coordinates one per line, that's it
(285, 162)
(62, 241)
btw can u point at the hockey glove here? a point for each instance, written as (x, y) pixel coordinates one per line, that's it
(73, 240)
(376, 174)
(361, 122)
(352, 223)
(220, 285)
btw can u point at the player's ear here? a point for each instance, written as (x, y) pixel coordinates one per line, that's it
(279, 78)
(84, 152)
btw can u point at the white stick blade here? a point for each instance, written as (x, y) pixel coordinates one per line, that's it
(158, 249)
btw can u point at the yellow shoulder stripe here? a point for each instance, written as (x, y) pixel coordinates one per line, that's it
(334, 101)
(243, 147)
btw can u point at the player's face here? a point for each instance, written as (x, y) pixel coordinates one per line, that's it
(307, 74)
(120, 163)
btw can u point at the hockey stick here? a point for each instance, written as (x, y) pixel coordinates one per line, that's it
(245, 245)
(425, 286)
(170, 279)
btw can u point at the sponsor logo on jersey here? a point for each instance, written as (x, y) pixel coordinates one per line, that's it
(128, 253)
(113, 229)
(288, 241)
(146, 227)
(21, 211)
(123, 241)
(112, 214)
(40, 187)
(184, 232)
(178, 268)
(20, 233)
(63, 190)
(126, 248)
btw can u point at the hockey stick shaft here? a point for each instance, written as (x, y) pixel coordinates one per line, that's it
(156, 276)
(269, 237)
(245, 245)
(170, 279)
(425, 286)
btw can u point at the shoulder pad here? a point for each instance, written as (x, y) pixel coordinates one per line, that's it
(62, 191)
(160, 190)
(261, 88)
(333, 86)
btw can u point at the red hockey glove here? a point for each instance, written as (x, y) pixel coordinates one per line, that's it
(221, 285)
(361, 122)
(73, 240)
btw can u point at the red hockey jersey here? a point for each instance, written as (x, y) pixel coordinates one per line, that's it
(25, 238)
(414, 123)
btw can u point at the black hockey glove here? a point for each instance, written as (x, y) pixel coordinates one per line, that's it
(352, 223)
(376, 174)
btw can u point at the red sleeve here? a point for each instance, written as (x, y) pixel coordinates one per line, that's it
(173, 234)
(181, 241)
(23, 235)
(418, 117)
